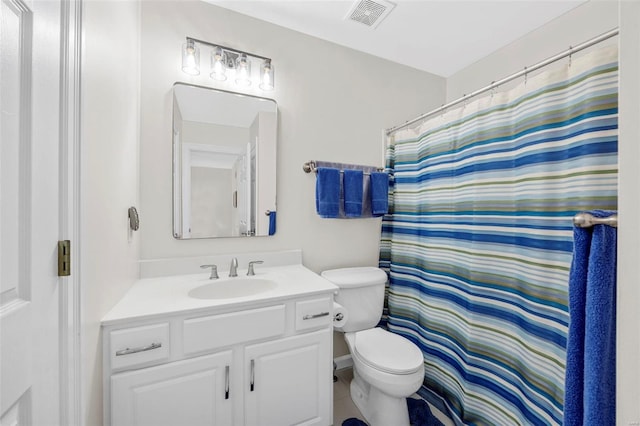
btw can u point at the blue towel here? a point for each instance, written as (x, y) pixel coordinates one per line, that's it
(352, 193)
(379, 191)
(272, 222)
(590, 378)
(328, 192)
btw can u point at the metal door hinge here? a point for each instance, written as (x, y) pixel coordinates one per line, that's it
(64, 258)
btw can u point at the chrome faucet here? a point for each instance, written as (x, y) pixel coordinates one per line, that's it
(233, 270)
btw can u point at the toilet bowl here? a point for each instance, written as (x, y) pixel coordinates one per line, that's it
(387, 368)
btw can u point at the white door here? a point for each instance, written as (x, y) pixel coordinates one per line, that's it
(193, 392)
(29, 212)
(290, 381)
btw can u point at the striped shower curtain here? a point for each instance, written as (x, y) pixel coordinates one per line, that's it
(478, 241)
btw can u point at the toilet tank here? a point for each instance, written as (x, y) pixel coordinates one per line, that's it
(361, 293)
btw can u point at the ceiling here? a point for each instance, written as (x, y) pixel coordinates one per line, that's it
(437, 36)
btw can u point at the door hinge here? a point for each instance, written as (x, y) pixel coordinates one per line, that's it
(64, 258)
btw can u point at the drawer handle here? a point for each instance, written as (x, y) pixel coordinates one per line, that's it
(129, 351)
(226, 382)
(253, 375)
(321, 314)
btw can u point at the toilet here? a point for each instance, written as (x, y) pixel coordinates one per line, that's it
(387, 368)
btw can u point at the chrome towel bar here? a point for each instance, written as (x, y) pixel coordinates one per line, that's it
(586, 220)
(311, 167)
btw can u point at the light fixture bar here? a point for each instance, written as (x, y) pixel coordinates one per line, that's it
(230, 49)
(228, 62)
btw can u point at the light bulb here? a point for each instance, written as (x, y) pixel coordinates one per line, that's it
(218, 69)
(190, 58)
(267, 81)
(243, 71)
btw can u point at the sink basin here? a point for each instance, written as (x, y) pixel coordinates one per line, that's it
(233, 287)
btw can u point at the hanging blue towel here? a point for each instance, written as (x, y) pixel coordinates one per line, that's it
(379, 191)
(590, 381)
(272, 222)
(328, 192)
(352, 193)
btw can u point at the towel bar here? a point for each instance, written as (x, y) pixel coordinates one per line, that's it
(586, 220)
(310, 167)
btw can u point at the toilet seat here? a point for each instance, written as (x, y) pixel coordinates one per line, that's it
(387, 352)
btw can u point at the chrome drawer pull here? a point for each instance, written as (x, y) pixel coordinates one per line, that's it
(321, 314)
(129, 351)
(226, 382)
(253, 375)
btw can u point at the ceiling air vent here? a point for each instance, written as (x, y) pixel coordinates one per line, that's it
(369, 12)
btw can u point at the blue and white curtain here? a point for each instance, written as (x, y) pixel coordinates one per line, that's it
(478, 242)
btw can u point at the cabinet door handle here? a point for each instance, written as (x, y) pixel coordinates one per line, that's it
(321, 314)
(226, 382)
(129, 351)
(253, 375)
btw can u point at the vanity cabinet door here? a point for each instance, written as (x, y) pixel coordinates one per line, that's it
(289, 381)
(192, 392)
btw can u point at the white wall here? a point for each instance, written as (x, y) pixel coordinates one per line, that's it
(628, 331)
(333, 104)
(585, 22)
(109, 178)
(574, 27)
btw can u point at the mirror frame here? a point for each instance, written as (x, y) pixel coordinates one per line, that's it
(174, 166)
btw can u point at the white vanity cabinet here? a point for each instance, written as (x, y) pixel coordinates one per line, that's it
(288, 381)
(189, 392)
(266, 364)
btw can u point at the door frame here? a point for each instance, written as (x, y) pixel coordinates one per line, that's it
(69, 228)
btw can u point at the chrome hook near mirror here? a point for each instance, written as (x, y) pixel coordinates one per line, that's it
(134, 219)
(224, 163)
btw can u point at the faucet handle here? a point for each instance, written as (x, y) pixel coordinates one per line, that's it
(250, 272)
(214, 271)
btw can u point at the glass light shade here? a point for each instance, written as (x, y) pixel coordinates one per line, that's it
(190, 58)
(218, 68)
(267, 74)
(243, 70)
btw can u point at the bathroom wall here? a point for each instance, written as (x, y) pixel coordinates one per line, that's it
(333, 104)
(109, 179)
(574, 27)
(628, 314)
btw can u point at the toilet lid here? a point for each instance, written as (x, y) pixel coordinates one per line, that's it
(355, 277)
(387, 351)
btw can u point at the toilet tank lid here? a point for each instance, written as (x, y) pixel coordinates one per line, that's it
(355, 277)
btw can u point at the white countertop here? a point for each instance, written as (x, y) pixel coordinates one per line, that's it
(156, 297)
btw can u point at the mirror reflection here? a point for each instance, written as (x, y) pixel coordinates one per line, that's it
(224, 163)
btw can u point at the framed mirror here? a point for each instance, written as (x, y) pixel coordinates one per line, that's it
(224, 163)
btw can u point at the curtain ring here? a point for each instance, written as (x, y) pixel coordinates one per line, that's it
(570, 55)
(525, 76)
(493, 88)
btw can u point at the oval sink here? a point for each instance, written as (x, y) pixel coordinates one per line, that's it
(233, 287)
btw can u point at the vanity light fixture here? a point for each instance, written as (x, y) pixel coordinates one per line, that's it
(243, 71)
(218, 68)
(267, 74)
(228, 63)
(190, 58)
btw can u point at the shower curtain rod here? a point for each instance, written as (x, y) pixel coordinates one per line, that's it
(525, 71)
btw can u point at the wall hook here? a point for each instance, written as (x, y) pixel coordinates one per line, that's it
(134, 219)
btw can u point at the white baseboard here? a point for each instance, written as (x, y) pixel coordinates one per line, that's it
(343, 362)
